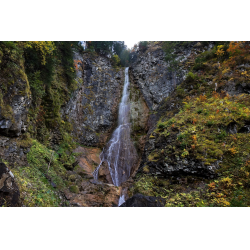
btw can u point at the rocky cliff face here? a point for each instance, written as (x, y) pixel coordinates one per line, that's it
(151, 73)
(197, 137)
(92, 110)
(15, 100)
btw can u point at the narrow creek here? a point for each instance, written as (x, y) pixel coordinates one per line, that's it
(119, 152)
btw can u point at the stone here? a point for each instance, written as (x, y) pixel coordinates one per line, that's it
(88, 160)
(9, 192)
(139, 200)
(94, 194)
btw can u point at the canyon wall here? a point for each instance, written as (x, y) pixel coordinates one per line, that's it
(92, 110)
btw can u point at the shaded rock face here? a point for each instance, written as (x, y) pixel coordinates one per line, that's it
(15, 100)
(152, 75)
(11, 151)
(150, 72)
(139, 111)
(235, 89)
(139, 200)
(9, 192)
(14, 104)
(92, 110)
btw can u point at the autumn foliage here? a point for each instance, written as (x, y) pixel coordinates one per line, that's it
(76, 63)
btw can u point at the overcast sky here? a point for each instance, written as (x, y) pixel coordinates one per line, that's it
(130, 43)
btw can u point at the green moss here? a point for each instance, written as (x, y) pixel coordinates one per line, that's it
(146, 169)
(74, 189)
(25, 141)
(153, 156)
(72, 178)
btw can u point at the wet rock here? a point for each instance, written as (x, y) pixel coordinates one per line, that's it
(9, 192)
(139, 200)
(104, 174)
(88, 160)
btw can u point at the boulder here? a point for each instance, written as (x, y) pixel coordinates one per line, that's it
(9, 192)
(139, 200)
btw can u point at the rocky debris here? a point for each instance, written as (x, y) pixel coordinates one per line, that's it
(84, 190)
(139, 200)
(181, 167)
(11, 151)
(92, 110)
(9, 192)
(94, 194)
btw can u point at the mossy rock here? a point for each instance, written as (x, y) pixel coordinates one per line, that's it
(74, 189)
(72, 178)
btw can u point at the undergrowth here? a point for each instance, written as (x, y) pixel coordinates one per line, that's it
(42, 181)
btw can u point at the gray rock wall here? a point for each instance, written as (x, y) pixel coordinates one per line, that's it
(92, 110)
(152, 75)
(150, 72)
(15, 100)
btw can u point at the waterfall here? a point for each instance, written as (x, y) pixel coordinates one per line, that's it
(121, 200)
(119, 152)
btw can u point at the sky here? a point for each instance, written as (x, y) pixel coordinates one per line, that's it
(130, 43)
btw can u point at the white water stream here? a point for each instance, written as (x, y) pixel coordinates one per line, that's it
(120, 153)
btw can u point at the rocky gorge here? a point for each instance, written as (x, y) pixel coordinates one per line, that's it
(189, 124)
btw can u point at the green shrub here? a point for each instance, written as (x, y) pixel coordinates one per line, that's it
(191, 77)
(210, 123)
(222, 135)
(161, 125)
(116, 62)
(37, 86)
(199, 111)
(143, 45)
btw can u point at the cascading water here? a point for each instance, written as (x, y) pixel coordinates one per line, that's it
(120, 153)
